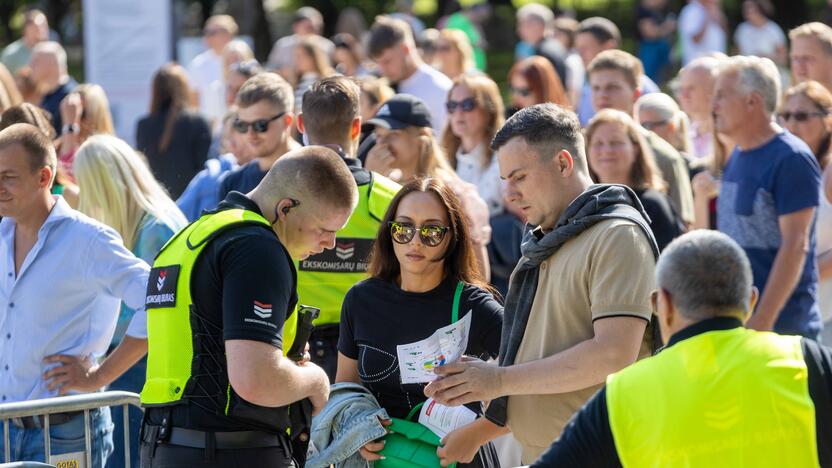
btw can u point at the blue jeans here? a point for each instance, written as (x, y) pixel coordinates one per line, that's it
(27, 444)
(655, 57)
(130, 381)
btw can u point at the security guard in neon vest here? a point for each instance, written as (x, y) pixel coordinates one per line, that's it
(330, 116)
(221, 313)
(718, 394)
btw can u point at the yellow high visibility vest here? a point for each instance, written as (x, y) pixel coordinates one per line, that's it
(726, 398)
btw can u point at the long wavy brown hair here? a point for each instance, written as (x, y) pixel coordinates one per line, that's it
(459, 260)
(171, 94)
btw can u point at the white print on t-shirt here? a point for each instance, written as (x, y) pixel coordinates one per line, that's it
(446, 345)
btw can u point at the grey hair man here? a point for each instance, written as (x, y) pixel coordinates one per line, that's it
(578, 303)
(769, 191)
(696, 88)
(655, 410)
(50, 76)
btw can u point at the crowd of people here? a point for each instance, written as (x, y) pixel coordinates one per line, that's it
(618, 240)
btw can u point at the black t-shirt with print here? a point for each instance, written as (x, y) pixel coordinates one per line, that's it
(378, 315)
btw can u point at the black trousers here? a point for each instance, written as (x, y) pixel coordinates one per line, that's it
(323, 347)
(173, 456)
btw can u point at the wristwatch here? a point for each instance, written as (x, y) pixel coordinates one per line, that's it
(71, 128)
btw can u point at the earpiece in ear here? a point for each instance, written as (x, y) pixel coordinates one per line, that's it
(285, 210)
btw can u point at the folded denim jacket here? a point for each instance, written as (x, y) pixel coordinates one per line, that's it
(350, 419)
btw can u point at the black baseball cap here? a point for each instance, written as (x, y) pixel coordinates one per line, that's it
(402, 111)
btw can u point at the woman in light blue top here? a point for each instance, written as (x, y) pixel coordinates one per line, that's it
(118, 189)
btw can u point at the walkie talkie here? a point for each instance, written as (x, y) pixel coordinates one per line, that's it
(306, 315)
(300, 412)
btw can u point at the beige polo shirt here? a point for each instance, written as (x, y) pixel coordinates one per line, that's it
(606, 271)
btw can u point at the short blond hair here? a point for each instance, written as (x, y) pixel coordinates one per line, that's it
(817, 30)
(619, 60)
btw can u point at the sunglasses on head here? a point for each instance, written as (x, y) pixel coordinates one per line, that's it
(799, 116)
(259, 126)
(430, 234)
(467, 105)
(521, 91)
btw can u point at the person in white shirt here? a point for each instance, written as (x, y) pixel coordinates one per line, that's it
(475, 113)
(702, 27)
(392, 47)
(63, 276)
(207, 67)
(758, 34)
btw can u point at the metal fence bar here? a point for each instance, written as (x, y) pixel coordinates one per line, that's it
(88, 437)
(7, 457)
(68, 404)
(126, 419)
(47, 440)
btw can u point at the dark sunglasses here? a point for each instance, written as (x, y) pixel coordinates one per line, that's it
(430, 235)
(799, 116)
(521, 91)
(443, 48)
(259, 126)
(467, 105)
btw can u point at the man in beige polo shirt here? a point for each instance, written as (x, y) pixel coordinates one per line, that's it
(578, 306)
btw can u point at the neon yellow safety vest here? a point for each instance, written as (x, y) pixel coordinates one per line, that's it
(325, 278)
(169, 303)
(727, 398)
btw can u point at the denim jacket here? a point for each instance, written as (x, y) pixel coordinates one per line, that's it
(348, 421)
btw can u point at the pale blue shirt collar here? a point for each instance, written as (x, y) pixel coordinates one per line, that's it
(65, 298)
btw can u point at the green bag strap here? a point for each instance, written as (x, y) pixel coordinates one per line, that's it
(457, 295)
(454, 318)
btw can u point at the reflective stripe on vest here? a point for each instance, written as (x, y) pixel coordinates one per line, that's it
(732, 398)
(325, 278)
(169, 334)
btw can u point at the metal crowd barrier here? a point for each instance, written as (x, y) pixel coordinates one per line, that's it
(66, 404)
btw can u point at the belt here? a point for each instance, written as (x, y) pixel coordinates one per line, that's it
(32, 422)
(223, 440)
(328, 330)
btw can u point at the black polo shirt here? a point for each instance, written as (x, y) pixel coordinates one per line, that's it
(243, 287)
(587, 440)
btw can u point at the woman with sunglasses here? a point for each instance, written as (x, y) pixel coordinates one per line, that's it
(475, 113)
(406, 149)
(806, 113)
(660, 114)
(535, 81)
(421, 257)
